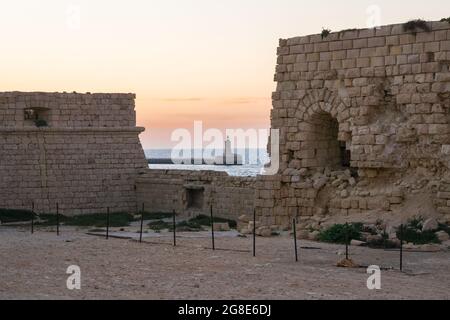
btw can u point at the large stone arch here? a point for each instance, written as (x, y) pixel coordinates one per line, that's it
(324, 126)
(324, 101)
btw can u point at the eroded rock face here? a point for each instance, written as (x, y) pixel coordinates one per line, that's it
(364, 120)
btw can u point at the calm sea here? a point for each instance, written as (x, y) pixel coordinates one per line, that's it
(254, 162)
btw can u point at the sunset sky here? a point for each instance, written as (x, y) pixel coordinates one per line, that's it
(187, 60)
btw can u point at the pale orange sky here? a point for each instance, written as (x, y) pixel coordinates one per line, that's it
(187, 60)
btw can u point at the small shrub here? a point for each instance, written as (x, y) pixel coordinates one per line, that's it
(49, 219)
(417, 237)
(155, 216)
(40, 123)
(14, 215)
(416, 223)
(189, 226)
(203, 220)
(325, 33)
(192, 225)
(445, 20)
(415, 25)
(159, 225)
(98, 220)
(412, 232)
(340, 233)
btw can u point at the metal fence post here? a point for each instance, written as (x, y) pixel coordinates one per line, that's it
(142, 222)
(57, 219)
(401, 247)
(107, 223)
(32, 217)
(295, 240)
(254, 232)
(346, 241)
(174, 222)
(212, 228)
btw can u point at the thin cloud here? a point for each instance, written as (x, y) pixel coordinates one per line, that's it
(245, 100)
(181, 99)
(238, 100)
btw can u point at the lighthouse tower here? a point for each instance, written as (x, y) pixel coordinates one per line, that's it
(229, 158)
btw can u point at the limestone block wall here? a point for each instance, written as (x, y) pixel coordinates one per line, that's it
(85, 161)
(364, 126)
(191, 193)
(71, 110)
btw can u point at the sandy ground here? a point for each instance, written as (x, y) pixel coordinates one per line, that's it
(34, 267)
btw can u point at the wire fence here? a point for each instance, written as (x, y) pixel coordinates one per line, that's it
(296, 248)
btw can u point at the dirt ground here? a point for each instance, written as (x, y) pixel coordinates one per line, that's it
(34, 267)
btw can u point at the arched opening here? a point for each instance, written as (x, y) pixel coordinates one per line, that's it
(321, 146)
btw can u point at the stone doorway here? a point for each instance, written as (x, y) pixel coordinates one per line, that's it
(195, 197)
(322, 142)
(322, 147)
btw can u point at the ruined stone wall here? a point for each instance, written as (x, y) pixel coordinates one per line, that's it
(163, 191)
(68, 110)
(380, 97)
(86, 159)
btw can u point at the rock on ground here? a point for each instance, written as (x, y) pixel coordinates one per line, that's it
(430, 225)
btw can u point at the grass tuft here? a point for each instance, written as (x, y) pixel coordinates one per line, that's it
(14, 215)
(325, 33)
(98, 220)
(156, 216)
(160, 225)
(192, 225)
(414, 26)
(412, 233)
(338, 233)
(203, 220)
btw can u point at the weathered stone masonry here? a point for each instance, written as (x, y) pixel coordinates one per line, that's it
(192, 193)
(86, 159)
(364, 127)
(364, 121)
